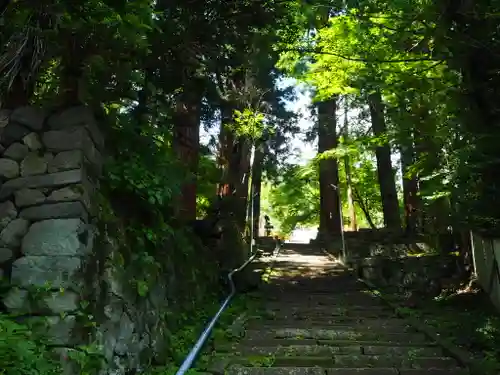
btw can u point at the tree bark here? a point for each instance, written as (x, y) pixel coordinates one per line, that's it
(410, 188)
(330, 220)
(257, 186)
(386, 178)
(186, 144)
(347, 165)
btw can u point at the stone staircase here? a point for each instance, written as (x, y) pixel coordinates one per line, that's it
(317, 319)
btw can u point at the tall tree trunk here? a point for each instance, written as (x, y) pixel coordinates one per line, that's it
(243, 170)
(226, 142)
(257, 185)
(234, 161)
(410, 188)
(186, 143)
(436, 212)
(347, 165)
(330, 220)
(386, 178)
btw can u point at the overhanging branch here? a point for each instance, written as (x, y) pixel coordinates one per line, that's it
(322, 52)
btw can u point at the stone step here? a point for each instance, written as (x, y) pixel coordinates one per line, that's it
(329, 350)
(297, 306)
(331, 334)
(335, 326)
(377, 343)
(339, 361)
(291, 350)
(364, 301)
(241, 370)
(313, 313)
(319, 321)
(223, 345)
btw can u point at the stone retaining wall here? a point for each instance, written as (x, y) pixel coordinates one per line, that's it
(59, 270)
(418, 274)
(49, 168)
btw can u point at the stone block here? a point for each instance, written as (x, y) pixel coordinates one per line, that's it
(31, 117)
(60, 329)
(13, 233)
(71, 193)
(5, 254)
(17, 300)
(52, 302)
(28, 197)
(9, 168)
(13, 132)
(50, 180)
(64, 194)
(32, 141)
(124, 334)
(72, 139)
(61, 210)
(79, 116)
(114, 309)
(57, 237)
(40, 270)
(4, 117)
(66, 160)
(8, 212)
(33, 164)
(49, 156)
(61, 302)
(16, 151)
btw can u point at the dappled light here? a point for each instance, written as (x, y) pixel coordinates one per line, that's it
(249, 187)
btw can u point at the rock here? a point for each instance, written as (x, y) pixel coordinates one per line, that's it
(69, 193)
(38, 270)
(80, 116)
(9, 168)
(13, 233)
(47, 180)
(114, 309)
(60, 329)
(32, 141)
(61, 302)
(33, 165)
(125, 335)
(28, 116)
(5, 254)
(114, 285)
(66, 160)
(70, 140)
(28, 197)
(8, 212)
(65, 140)
(48, 157)
(16, 151)
(13, 132)
(56, 237)
(55, 211)
(17, 300)
(4, 117)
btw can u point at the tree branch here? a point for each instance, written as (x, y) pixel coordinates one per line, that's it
(322, 52)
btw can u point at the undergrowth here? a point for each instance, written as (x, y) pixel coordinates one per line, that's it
(23, 352)
(465, 318)
(187, 337)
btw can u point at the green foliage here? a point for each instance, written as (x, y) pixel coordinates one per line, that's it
(295, 200)
(23, 352)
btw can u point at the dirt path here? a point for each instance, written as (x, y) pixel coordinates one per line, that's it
(318, 319)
